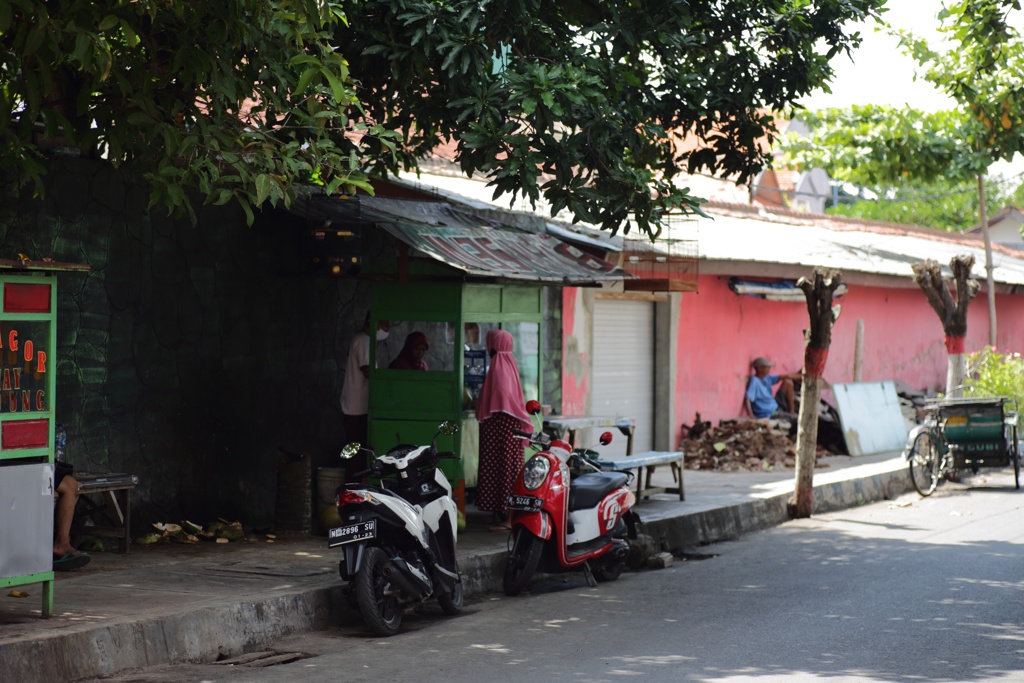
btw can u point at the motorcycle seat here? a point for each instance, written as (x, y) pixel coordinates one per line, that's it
(587, 490)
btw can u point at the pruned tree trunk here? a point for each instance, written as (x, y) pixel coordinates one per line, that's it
(818, 291)
(952, 313)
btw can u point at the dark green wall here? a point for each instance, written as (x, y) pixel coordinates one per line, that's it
(189, 353)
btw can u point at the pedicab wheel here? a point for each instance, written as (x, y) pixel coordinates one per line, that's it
(451, 603)
(381, 612)
(523, 559)
(1015, 454)
(924, 464)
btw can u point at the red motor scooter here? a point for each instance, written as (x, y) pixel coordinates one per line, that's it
(567, 515)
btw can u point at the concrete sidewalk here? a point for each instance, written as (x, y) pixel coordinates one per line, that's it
(178, 603)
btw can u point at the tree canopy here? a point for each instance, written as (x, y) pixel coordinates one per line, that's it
(941, 204)
(883, 147)
(581, 102)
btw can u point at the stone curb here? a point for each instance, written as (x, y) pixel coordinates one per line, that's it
(194, 636)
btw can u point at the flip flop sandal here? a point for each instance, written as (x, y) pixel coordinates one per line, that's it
(71, 561)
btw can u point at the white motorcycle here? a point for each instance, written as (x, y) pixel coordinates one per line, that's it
(399, 537)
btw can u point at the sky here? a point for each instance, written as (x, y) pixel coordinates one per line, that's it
(879, 73)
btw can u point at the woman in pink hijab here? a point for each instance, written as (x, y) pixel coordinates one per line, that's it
(499, 410)
(411, 356)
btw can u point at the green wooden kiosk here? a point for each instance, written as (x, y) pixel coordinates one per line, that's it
(28, 377)
(454, 276)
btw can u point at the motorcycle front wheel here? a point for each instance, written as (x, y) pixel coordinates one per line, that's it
(451, 603)
(381, 612)
(523, 559)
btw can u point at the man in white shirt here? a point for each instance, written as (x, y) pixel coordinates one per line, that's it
(355, 391)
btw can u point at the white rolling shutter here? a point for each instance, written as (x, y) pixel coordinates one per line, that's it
(623, 370)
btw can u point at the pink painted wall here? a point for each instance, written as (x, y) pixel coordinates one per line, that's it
(720, 333)
(575, 353)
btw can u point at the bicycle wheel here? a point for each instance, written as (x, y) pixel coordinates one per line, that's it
(924, 464)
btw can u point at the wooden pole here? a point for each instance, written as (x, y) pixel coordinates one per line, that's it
(858, 352)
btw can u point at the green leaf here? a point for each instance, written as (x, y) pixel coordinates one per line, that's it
(247, 208)
(337, 89)
(264, 187)
(305, 79)
(109, 22)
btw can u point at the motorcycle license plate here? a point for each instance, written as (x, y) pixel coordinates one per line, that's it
(351, 533)
(527, 503)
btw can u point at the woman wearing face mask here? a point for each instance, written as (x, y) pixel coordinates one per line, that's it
(355, 391)
(499, 410)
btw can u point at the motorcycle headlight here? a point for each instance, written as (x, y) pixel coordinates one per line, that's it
(535, 471)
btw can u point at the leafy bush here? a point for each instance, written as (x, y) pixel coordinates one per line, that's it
(990, 373)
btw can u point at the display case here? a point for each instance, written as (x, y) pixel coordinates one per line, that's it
(27, 390)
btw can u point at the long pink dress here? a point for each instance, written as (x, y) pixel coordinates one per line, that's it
(501, 461)
(499, 410)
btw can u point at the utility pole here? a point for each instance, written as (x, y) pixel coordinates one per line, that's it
(990, 282)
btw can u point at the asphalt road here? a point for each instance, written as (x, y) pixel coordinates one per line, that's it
(908, 590)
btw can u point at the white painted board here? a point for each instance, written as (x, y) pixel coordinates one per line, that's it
(870, 415)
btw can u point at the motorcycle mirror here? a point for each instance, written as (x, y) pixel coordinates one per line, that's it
(606, 438)
(533, 407)
(349, 450)
(448, 427)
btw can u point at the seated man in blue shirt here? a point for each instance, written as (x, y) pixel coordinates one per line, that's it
(759, 400)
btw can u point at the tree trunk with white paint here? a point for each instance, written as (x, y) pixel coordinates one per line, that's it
(952, 312)
(956, 369)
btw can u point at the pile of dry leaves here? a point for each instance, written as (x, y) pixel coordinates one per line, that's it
(737, 445)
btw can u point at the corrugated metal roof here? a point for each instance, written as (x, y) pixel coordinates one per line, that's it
(484, 248)
(475, 193)
(739, 234)
(475, 244)
(745, 234)
(493, 252)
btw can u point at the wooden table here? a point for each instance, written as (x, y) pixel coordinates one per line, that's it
(110, 517)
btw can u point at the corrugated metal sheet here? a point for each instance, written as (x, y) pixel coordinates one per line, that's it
(476, 193)
(809, 241)
(493, 252)
(474, 244)
(751, 234)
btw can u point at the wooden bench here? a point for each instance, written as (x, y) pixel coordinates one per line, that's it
(645, 463)
(111, 516)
